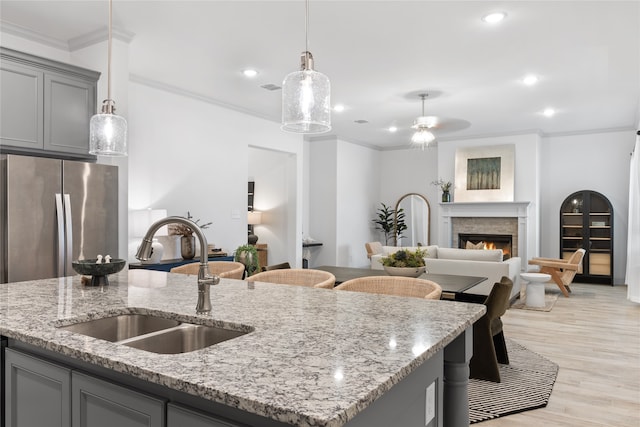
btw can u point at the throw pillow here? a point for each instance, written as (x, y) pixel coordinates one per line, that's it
(471, 245)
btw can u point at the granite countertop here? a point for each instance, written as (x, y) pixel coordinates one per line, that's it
(315, 357)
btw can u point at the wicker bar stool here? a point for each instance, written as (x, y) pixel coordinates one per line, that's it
(297, 276)
(224, 269)
(393, 285)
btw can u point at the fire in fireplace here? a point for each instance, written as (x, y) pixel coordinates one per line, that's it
(490, 241)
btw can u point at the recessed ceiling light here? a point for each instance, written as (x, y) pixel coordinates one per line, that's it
(392, 129)
(250, 72)
(338, 108)
(494, 17)
(530, 79)
(549, 112)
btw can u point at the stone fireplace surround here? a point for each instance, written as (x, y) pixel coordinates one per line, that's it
(487, 217)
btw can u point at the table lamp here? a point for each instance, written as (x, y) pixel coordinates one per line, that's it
(253, 218)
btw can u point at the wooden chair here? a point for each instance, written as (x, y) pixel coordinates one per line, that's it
(489, 347)
(276, 266)
(393, 285)
(562, 271)
(224, 269)
(373, 248)
(297, 276)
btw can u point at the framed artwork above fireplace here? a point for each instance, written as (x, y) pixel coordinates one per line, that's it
(485, 174)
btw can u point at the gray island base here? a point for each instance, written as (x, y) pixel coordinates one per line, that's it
(314, 357)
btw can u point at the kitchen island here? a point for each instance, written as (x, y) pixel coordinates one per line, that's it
(313, 357)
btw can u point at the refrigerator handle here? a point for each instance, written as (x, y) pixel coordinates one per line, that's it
(69, 234)
(60, 230)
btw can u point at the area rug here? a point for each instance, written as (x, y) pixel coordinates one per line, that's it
(526, 384)
(550, 299)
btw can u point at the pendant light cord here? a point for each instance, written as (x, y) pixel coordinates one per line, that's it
(109, 54)
(306, 26)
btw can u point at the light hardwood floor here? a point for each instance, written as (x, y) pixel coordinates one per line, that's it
(594, 336)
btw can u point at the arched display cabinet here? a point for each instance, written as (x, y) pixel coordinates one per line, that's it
(586, 221)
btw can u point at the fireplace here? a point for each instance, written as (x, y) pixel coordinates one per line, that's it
(500, 218)
(490, 241)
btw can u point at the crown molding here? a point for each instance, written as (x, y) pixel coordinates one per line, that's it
(589, 131)
(34, 36)
(98, 36)
(70, 45)
(193, 95)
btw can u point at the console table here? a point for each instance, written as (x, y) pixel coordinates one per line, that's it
(168, 264)
(306, 255)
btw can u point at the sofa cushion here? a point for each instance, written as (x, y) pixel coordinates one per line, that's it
(471, 245)
(432, 251)
(494, 255)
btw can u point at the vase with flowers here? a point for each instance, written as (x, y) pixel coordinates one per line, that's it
(187, 239)
(445, 186)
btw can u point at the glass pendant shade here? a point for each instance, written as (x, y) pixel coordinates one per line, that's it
(306, 102)
(108, 135)
(108, 131)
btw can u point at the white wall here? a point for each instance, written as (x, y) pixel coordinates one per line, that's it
(343, 185)
(526, 171)
(271, 172)
(598, 162)
(408, 171)
(322, 193)
(187, 154)
(358, 187)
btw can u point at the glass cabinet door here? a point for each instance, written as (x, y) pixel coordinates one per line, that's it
(586, 221)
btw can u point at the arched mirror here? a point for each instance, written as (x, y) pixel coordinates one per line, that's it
(417, 219)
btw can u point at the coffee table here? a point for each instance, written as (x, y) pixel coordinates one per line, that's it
(453, 286)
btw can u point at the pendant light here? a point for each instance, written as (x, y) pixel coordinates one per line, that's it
(306, 95)
(423, 136)
(108, 131)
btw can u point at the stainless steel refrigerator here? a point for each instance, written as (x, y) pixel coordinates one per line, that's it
(53, 212)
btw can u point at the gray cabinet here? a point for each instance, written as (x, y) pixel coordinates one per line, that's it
(179, 416)
(98, 403)
(37, 392)
(41, 393)
(45, 105)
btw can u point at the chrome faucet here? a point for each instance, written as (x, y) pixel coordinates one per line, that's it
(205, 279)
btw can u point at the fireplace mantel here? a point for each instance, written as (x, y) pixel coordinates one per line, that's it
(519, 210)
(487, 209)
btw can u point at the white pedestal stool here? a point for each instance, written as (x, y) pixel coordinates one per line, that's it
(535, 288)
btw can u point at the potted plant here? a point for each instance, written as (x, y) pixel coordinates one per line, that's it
(390, 222)
(405, 263)
(445, 186)
(187, 241)
(248, 255)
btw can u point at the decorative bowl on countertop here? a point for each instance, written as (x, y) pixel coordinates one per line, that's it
(405, 271)
(98, 272)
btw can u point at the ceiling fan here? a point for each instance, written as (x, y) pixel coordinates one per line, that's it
(425, 125)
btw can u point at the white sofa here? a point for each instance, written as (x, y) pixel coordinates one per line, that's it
(465, 262)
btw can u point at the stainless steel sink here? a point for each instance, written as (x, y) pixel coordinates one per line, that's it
(153, 333)
(183, 339)
(122, 327)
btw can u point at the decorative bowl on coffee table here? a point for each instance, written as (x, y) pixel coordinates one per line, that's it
(98, 272)
(405, 271)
